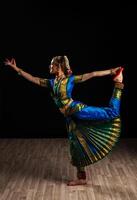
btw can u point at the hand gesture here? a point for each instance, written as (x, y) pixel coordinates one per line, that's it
(11, 63)
(114, 70)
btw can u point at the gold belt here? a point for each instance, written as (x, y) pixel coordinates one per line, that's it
(65, 107)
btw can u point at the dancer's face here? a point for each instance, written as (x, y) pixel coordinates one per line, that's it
(53, 68)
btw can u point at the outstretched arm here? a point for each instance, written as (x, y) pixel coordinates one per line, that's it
(87, 76)
(29, 77)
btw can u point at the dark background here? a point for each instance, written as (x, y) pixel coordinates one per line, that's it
(94, 37)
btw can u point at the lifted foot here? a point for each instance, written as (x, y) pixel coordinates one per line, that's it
(119, 76)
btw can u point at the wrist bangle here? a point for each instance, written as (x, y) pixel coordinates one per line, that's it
(19, 72)
(111, 72)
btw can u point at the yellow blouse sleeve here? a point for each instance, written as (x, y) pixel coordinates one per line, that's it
(78, 78)
(44, 82)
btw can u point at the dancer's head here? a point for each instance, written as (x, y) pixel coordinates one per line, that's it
(60, 63)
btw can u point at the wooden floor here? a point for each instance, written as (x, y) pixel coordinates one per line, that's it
(37, 169)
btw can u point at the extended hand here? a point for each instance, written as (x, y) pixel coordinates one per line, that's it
(114, 70)
(11, 62)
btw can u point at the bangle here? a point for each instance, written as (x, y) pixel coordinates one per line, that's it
(112, 72)
(19, 72)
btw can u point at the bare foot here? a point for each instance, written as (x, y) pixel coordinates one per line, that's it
(77, 182)
(119, 76)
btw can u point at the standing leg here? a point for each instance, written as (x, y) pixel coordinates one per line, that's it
(81, 175)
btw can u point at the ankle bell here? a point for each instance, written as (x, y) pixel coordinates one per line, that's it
(119, 85)
(81, 175)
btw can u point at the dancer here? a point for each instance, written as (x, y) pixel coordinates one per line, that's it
(92, 131)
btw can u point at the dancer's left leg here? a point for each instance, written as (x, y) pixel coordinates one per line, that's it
(81, 175)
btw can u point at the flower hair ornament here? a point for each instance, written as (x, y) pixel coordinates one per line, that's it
(68, 69)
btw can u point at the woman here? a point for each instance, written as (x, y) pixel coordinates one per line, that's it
(92, 131)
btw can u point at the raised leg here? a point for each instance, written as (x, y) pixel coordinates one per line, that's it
(105, 113)
(117, 92)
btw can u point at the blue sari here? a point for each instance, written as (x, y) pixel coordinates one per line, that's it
(92, 131)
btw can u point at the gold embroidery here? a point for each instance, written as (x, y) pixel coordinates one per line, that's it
(90, 154)
(117, 93)
(78, 78)
(65, 107)
(44, 82)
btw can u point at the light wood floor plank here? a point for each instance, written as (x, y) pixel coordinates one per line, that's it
(38, 169)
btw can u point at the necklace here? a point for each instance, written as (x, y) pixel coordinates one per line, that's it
(57, 83)
(59, 78)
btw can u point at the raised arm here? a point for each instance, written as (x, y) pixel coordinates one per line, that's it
(39, 81)
(86, 76)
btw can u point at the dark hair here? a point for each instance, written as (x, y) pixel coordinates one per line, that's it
(63, 62)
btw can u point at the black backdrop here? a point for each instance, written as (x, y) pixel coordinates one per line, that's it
(94, 37)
